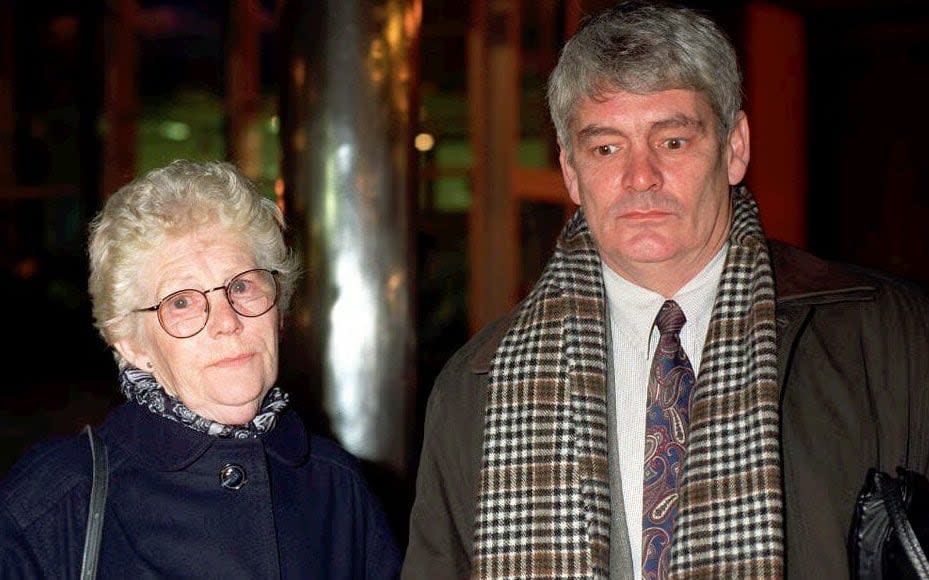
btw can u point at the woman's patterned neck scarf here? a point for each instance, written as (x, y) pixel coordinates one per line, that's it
(544, 500)
(141, 387)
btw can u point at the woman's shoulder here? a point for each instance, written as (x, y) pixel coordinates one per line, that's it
(45, 475)
(338, 472)
(352, 500)
(329, 453)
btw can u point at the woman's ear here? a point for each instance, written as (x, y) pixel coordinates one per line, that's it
(129, 350)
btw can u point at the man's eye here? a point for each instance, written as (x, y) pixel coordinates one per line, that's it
(605, 149)
(674, 143)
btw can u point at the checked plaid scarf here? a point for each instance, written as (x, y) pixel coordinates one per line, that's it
(544, 505)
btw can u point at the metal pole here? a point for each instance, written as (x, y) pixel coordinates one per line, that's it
(347, 119)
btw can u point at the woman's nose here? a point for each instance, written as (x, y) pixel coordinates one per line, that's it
(223, 318)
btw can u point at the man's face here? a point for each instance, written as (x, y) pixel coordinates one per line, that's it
(654, 181)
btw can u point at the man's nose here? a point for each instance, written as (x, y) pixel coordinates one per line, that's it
(642, 172)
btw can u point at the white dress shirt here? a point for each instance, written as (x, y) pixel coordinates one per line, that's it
(634, 337)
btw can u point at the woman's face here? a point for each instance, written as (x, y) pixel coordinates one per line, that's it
(223, 372)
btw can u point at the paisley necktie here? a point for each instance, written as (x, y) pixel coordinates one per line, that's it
(666, 424)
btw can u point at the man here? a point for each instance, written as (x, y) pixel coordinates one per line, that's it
(676, 396)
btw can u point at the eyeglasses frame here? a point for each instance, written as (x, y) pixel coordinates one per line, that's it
(225, 288)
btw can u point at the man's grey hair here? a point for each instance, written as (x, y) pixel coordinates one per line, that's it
(643, 47)
(175, 200)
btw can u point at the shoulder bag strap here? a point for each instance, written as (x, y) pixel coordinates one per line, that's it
(97, 501)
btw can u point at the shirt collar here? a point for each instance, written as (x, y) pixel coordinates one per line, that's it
(633, 308)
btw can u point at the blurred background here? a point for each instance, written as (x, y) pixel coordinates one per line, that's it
(409, 145)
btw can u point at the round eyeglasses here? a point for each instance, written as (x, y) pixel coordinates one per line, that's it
(184, 313)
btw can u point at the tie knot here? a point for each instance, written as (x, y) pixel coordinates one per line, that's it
(670, 318)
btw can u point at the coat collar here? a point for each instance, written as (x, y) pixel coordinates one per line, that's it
(802, 277)
(164, 445)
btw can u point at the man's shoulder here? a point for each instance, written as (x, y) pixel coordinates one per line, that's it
(462, 381)
(800, 276)
(476, 354)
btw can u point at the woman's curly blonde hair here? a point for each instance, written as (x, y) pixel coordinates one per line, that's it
(168, 202)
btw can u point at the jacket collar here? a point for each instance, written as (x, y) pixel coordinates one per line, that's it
(800, 277)
(164, 445)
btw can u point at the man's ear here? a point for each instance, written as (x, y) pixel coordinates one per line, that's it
(738, 149)
(569, 175)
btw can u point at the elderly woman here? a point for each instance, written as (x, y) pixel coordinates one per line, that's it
(210, 474)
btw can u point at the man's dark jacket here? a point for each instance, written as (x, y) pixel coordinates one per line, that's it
(853, 364)
(304, 511)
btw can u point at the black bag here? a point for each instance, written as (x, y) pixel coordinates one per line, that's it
(891, 527)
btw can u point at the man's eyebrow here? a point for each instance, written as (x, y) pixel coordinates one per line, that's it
(676, 121)
(679, 120)
(591, 131)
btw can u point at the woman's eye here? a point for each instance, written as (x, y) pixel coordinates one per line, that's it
(239, 287)
(180, 303)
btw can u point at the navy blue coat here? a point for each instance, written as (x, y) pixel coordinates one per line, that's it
(304, 511)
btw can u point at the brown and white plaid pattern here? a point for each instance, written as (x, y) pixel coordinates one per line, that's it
(544, 506)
